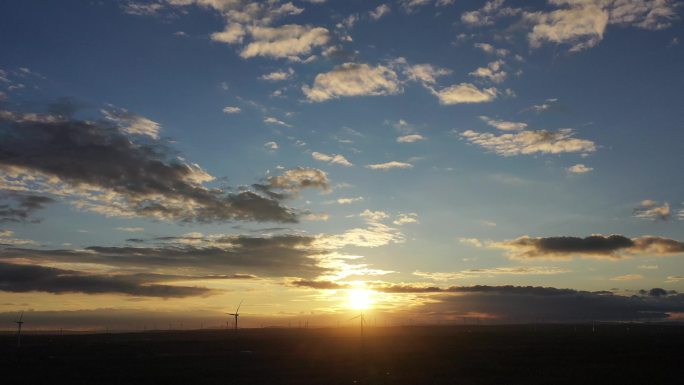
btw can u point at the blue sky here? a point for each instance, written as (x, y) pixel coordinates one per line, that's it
(315, 148)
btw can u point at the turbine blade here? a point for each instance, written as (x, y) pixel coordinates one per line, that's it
(238, 308)
(21, 316)
(354, 317)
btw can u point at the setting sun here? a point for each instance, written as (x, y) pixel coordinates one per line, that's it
(360, 299)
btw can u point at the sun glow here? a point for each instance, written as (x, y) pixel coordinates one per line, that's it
(360, 299)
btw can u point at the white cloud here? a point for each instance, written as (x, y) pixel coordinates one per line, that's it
(486, 15)
(465, 93)
(410, 138)
(271, 145)
(351, 79)
(132, 123)
(493, 72)
(316, 217)
(233, 34)
(335, 158)
(628, 277)
(287, 41)
(579, 169)
(131, 229)
(346, 201)
(232, 110)
(403, 219)
(650, 209)
(503, 125)
(278, 75)
(374, 216)
(7, 238)
(389, 165)
(530, 142)
(476, 273)
(380, 11)
(425, 73)
(272, 120)
(490, 49)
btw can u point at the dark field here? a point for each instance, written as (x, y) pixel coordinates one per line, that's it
(614, 354)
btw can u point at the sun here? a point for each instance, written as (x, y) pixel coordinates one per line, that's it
(360, 299)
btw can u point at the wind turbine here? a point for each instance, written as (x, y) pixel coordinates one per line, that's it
(19, 323)
(363, 320)
(236, 314)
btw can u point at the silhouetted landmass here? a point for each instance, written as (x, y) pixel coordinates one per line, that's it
(522, 354)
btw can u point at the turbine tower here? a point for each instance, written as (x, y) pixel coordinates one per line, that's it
(363, 320)
(236, 314)
(19, 323)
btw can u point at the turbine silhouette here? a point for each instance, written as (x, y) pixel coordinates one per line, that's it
(19, 323)
(236, 314)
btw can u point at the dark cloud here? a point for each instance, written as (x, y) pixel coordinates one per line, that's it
(607, 246)
(19, 207)
(126, 175)
(318, 284)
(277, 256)
(28, 278)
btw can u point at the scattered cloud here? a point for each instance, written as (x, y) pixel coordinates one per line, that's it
(287, 41)
(410, 138)
(476, 273)
(374, 216)
(271, 145)
(346, 201)
(274, 121)
(389, 165)
(488, 14)
(579, 169)
(133, 124)
(335, 158)
(380, 11)
(131, 229)
(278, 75)
(492, 72)
(465, 93)
(352, 79)
(530, 142)
(595, 246)
(490, 49)
(232, 110)
(650, 209)
(627, 277)
(503, 125)
(403, 219)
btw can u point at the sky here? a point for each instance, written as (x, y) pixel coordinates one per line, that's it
(433, 161)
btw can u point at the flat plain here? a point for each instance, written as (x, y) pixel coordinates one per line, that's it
(483, 354)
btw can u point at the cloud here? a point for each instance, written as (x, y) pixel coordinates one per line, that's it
(594, 246)
(530, 142)
(374, 235)
(389, 165)
(351, 79)
(294, 180)
(579, 169)
(232, 34)
(131, 229)
(490, 12)
(286, 41)
(271, 145)
(492, 72)
(464, 93)
(99, 168)
(17, 278)
(582, 23)
(278, 75)
(275, 256)
(374, 216)
(272, 120)
(346, 201)
(476, 273)
(232, 110)
(7, 239)
(141, 9)
(335, 158)
(133, 124)
(403, 219)
(20, 206)
(503, 125)
(490, 49)
(651, 210)
(410, 138)
(380, 11)
(627, 277)
(425, 73)
(530, 304)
